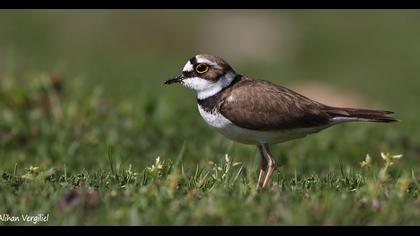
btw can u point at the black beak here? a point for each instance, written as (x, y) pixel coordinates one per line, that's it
(177, 79)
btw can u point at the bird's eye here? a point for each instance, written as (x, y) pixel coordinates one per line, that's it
(201, 68)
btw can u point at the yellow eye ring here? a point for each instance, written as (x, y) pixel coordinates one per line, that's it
(201, 68)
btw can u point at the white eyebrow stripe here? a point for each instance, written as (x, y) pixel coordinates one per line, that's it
(205, 61)
(188, 67)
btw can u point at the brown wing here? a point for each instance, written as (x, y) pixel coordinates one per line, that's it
(261, 105)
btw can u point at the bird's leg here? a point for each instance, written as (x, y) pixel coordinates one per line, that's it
(263, 167)
(272, 164)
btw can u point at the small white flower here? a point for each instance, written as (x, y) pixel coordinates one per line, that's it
(227, 159)
(33, 168)
(384, 156)
(389, 158)
(367, 162)
(236, 163)
(157, 166)
(397, 156)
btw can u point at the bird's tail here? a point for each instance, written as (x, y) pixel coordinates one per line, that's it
(339, 114)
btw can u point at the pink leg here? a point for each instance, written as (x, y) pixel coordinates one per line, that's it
(263, 169)
(271, 169)
(260, 179)
(272, 164)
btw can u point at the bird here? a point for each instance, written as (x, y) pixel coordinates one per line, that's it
(259, 112)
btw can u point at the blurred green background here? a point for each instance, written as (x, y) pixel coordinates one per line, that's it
(83, 106)
(372, 54)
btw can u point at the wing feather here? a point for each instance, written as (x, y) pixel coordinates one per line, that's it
(262, 105)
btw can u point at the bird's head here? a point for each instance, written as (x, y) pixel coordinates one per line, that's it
(205, 74)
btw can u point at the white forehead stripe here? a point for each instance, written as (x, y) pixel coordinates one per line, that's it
(188, 67)
(205, 61)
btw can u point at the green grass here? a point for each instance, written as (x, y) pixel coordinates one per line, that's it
(220, 194)
(83, 149)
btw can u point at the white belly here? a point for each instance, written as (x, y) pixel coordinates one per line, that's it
(248, 136)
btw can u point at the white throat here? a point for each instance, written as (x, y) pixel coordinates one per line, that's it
(214, 88)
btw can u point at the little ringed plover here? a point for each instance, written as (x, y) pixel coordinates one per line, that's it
(258, 112)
